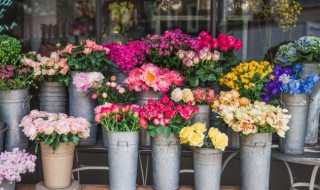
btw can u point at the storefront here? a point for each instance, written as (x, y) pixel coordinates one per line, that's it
(262, 25)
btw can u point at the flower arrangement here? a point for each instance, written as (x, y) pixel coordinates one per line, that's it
(230, 98)
(162, 49)
(124, 118)
(151, 76)
(194, 136)
(256, 118)
(10, 49)
(197, 96)
(164, 117)
(52, 128)
(127, 56)
(103, 91)
(248, 78)
(87, 57)
(50, 69)
(15, 163)
(305, 49)
(121, 14)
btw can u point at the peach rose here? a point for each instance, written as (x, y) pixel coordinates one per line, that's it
(63, 127)
(187, 95)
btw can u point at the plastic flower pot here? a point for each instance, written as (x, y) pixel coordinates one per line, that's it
(57, 165)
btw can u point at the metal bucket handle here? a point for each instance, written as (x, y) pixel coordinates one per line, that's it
(263, 144)
(27, 100)
(3, 130)
(123, 143)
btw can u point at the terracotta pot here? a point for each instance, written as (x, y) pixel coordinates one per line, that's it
(57, 166)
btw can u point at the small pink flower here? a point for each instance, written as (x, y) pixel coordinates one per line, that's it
(190, 54)
(104, 95)
(181, 54)
(143, 123)
(113, 84)
(87, 51)
(97, 118)
(94, 96)
(90, 43)
(187, 62)
(216, 55)
(121, 90)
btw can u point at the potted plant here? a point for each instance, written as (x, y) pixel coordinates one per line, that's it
(12, 165)
(207, 157)
(295, 96)
(126, 57)
(150, 81)
(256, 123)
(202, 98)
(53, 74)
(208, 58)
(122, 126)
(87, 57)
(163, 121)
(57, 135)
(305, 51)
(15, 79)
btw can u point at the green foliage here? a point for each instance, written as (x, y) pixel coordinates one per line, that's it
(9, 50)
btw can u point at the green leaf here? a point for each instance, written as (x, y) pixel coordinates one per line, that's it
(166, 132)
(159, 129)
(152, 132)
(194, 81)
(65, 139)
(200, 72)
(212, 77)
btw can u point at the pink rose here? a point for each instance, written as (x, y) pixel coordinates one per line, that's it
(203, 53)
(187, 62)
(215, 44)
(199, 94)
(143, 123)
(50, 129)
(97, 118)
(231, 40)
(30, 131)
(51, 72)
(64, 70)
(107, 50)
(87, 51)
(237, 44)
(181, 54)
(216, 55)
(85, 133)
(63, 62)
(196, 60)
(121, 90)
(94, 96)
(90, 44)
(190, 54)
(68, 49)
(63, 127)
(97, 48)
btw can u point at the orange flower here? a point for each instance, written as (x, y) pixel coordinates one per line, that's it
(244, 101)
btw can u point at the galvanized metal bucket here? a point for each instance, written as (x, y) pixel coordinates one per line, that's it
(2, 130)
(203, 116)
(166, 153)
(311, 138)
(298, 107)
(207, 168)
(142, 98)
(105, 136)
(83, 105)
(53, 97)
(14, 105)
(120, 75)
(233, 138)
(255, 155)
(123, 159)
(6, 185)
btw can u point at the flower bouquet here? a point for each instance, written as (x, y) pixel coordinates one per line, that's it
(121, 136)
(103, 91)
(87, 57)
(57, 135)
(12, 165)
(208, 58)
(305, 49)
(248, 78)
(207, 157)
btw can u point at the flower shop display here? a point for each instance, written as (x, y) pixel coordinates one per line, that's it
(103, 91)
(53, 74)
(295, 96)
(207, 158)
(57, 135)
(248, 78)
(256, 123)
(122, 126)
(126, 56)
(208, 58)
(202, 98)
(150, 81)
(15, 79)
(162, 49)
(163, 120)
(12, 165)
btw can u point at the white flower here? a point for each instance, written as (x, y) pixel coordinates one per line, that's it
(284, 78)
(177, 95)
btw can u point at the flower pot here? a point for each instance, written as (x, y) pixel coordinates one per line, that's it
(81, 104)
(14, 105)
(142, 98)
(123, 159)
(53, 97)
(2, 131)
(6, 185)
(255, 155)
(166, 154)
(120, 75)
(298, 107)
(57, 166)
(207, 168)
(311, 138)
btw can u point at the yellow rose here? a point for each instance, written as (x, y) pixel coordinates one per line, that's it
(199, 127)
(215, 106)
(235, 93)
(187, 95)
(196, 139)
(177, 95)
(220, 141)
(184, 134)
(213, 132)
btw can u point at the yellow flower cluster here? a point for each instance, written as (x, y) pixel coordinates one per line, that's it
(121, 14)
(246, 75)
(230, 98)
(193, 135)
